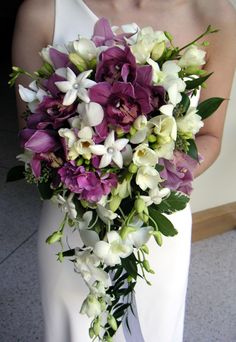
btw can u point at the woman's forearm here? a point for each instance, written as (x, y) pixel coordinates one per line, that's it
(209, 149)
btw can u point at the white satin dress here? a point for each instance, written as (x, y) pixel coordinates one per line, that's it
(159, 308)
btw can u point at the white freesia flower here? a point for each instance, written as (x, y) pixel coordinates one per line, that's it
(140, 124)
(85, 48)
(88, 236)
(91, 113)
(144, 155)
(192, 56)
(91, 306)
(110, 151)
(164, 127)
(155, 195)
(113, 250)
(167, 109)
(166, 150)
(67, 205)
(147, 177)
(87, 265)
(69, 135)
(75, 86)
(190, 123)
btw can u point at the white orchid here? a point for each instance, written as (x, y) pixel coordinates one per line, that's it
(112, 250)
(140, 124)
(140, 234)
(91, 113)
(91, 306)
(144, 156)
(105, 214)
(85, 48)
(190, 123)
(110, 151)
(88, 236)
(147, 177)
(75, 86)
(87, 264)
(32, 95)
(156, 195)
(25, 157)
(67, 205)
(192, 56)
(164, 127)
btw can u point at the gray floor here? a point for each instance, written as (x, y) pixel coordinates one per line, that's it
(211, 300)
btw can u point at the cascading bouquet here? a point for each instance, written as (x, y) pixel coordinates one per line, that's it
(110, 137)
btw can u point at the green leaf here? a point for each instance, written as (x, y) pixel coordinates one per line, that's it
(45, 190)
(130, 265)
(185, 102)
(175, 202)
(120, 312)
(15, 173)
(209, 106)
(197, 82)
(165, 226)
(192, 149)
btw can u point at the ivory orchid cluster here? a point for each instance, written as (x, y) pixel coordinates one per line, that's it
(110, 137)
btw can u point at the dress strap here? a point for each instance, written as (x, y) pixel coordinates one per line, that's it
(72, 18)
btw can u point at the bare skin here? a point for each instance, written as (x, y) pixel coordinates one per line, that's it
(185, 19)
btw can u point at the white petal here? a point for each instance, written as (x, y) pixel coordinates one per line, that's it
(94, 113)
(85, 133)
(139, 136)
(141, 236)
(83, 95)
(113, 236)
(87, 83)
(61, 72)
(117, 158)
(127, 154)
(33, 86)
(106, 160)
(89, 237)
(63, 86)
(101, 249)
(167, 109)
(40, 94)
(27, 95)
(70, 75)
(173, 93)
(110, 139)
(120, 144)
(112, 259)
(99, 150)
(70, 97)
(83, 75)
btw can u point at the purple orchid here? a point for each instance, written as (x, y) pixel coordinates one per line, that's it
(39, 141)
(58, 58)
(178, 173)
(116, 64)
(122, 102)
(89, 185)
(50, 86)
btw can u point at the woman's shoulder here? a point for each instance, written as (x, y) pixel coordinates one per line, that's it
(38, 16)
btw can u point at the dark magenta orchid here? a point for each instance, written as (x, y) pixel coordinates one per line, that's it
(58, 58)
(39, 141)
(116, 64)
(122, 102)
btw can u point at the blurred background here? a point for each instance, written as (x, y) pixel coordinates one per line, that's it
(211, 301)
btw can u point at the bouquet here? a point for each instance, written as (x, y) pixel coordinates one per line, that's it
(110, 137)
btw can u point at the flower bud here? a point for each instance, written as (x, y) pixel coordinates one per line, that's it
(139, 205)
(102, 303)
(158, 50)
(91, 333)
(132, 131)
(97, 327)
(158, 237)
(152, 138)
(108, 339)
(115, 203)
(112, 322)
(56, 236)
(79, 162)
(78, 61)
(125, 231)
(146, 265)
(145, 249)
(119, 132)
(133, 168)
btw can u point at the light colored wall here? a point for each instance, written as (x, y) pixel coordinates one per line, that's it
(217, 186)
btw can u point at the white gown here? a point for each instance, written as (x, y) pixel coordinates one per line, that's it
(160, 307)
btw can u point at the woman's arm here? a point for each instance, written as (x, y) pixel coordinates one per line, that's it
(221, 60)
(33, 31)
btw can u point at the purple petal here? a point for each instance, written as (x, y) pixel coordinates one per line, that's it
(49, 84)
(100, 92)
(59, 59)
(25, 135)
(102, 32)
(123, 88)
(144, 75)
(42, 141)
(143, 96)
(36, 166)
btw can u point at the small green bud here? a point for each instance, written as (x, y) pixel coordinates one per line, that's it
(132, 130)
(96, 327)
(152, 138)
(84, 203)
(112, 322)
(119, 132)
(129, 279)
(92, 64)
(79, 162)
(133, 168)
(158, 50)
(60, 257)
(158, 237)
(56, 236)
(205, 43)
(91, 333)
(78, 61)
(146, 265)
(192, 69)
(102, 303)
(108, 339)
(139, 205)
(145, 249)
(168, 36)
(115, 203)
